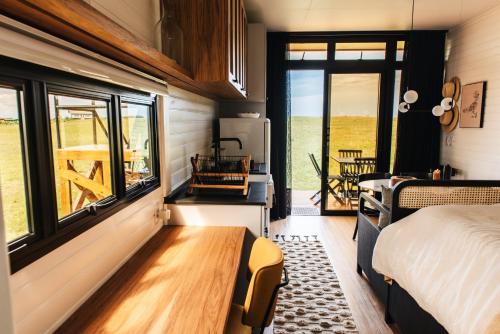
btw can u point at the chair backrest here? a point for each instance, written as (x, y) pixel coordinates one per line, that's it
(365, 165)
(315, 164)
(350, 153)
(266, 265)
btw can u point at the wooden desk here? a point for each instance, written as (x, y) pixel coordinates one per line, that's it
(181, 281)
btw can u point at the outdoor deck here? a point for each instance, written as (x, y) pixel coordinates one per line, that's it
(301, 199)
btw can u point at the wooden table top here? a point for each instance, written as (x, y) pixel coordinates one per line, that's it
(349, 160)
(181, 281)
(374, 185)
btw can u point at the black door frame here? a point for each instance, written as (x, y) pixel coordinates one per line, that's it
(387, 68)
(381, 146)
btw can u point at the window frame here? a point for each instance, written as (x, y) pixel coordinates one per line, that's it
(48, 232)
(331, 65)
(136, 189)
(28, 160)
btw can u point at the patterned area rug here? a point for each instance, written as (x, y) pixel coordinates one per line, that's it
(305, 211)
(313, 302)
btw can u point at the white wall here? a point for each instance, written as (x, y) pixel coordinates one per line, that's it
(189, 127)
(6, 321)
(47, 291)
(474, 55)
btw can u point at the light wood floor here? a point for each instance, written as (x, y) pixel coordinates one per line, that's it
(303, 198)
(336, 234)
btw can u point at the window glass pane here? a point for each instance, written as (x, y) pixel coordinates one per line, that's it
(397, 98)
(136, 142)
(12, 182)
(400, 51)
(359, 51)
(306, 51)
(80, 143)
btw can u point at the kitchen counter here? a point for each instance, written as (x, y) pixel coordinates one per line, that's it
(257, 195)
(259, 168)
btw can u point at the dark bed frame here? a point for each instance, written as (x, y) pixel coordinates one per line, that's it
(400, 307)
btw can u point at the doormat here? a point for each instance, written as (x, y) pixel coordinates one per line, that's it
(313, 301)
(305, 211)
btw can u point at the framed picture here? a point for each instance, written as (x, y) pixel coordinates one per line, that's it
(472, 109)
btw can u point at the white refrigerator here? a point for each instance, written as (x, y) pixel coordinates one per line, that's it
(255, 137)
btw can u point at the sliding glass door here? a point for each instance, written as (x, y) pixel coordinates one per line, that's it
(352, 127)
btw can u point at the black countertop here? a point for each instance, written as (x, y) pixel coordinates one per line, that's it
(257, 195)
(259, 168)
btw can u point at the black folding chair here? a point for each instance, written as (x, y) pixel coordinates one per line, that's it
(360, 166)
(343, 153)
(348, 170)
(331, 178)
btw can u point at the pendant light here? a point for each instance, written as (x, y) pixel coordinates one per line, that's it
(411, 96)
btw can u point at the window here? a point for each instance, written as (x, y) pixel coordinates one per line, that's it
(360, 51)
(306, 51)
(72, 155)
(12, 178)
(400, 50)
(136, 130)
(81, 149)
(395, 103)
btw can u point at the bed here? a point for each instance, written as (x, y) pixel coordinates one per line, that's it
(441, 255)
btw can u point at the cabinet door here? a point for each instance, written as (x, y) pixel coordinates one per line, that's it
(244, 53)
(240, 46)
(232, 39)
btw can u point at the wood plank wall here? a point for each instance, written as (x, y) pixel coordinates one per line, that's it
(138, 17)
(474, 55)
(189, 123)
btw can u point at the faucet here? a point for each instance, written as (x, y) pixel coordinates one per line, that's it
(216, 145)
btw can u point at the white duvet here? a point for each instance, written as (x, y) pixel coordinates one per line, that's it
(448, 259)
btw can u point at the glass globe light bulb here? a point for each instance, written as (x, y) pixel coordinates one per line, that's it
(410, 96)
(403, 107)
(437, 111)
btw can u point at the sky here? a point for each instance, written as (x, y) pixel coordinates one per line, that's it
(306, 90)
(352, 94)
(8, 104)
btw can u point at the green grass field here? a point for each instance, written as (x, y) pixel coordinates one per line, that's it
(73, 132)
(346, 133)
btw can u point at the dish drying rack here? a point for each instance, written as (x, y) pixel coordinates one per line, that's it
(225, 174)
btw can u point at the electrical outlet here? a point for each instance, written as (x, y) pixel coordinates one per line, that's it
(157, 216)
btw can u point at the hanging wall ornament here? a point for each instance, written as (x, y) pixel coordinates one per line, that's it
(447, 103)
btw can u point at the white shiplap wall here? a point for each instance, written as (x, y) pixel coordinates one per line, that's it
(474, 55)
(188, 123)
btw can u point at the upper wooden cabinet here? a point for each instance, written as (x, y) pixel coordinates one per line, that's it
(215, 44)
(214, 40)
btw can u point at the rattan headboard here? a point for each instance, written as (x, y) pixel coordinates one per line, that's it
(409, 196)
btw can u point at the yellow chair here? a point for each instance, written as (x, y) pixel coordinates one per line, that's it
(265, 265)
